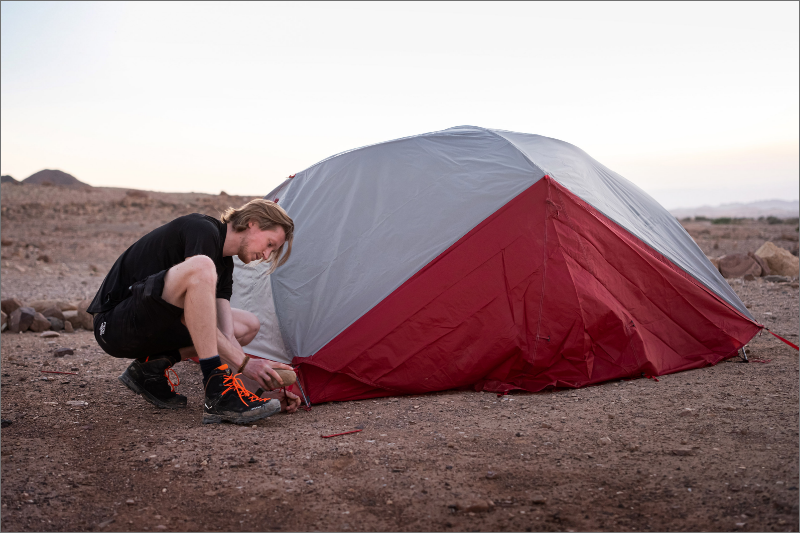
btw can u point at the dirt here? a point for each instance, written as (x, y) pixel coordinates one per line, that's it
(714, 449)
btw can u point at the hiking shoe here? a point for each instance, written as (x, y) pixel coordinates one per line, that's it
(227, 400)
(150, 379)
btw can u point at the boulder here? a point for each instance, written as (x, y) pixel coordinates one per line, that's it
(54, 312)
(56, 324)
(40, 323)
(41, 305)
(781, 262)
(738, 265)
(86, 319)
(765, 271)
(9, 305)
(21, 319)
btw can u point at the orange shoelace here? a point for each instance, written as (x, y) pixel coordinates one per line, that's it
(177, 378)
(245, 395)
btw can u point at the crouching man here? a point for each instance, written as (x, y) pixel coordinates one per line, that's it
(167, 298)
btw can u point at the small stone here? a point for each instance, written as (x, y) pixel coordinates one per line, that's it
(4, 321)
(604, 441)
(68, 327)
(545, 425)
(161, 527)
(538, 500)
(49, 334)
(40, 323)
(472, 506)
(749, 277)
(683, 451)
(777, 279)
(130, 502)
(77, 403)
(518, 434)
(61, 352)
(686, 411)
(491, 475)
(633, 447)
(610, 415)
(389, 502)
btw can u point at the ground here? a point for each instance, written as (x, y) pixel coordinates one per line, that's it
(713, 449)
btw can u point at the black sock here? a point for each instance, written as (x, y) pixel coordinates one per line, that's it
(208, 366)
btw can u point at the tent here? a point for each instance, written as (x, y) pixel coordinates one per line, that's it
(484, 259)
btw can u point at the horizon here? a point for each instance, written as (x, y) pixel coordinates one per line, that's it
(211, 96)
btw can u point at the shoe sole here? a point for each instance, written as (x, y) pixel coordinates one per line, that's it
(132, 385)
(258, 414)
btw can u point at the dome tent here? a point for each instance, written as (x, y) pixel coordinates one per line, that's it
(489, 259)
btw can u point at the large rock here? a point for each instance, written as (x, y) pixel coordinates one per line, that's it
(780, 261)
(40, 323)
(54, 312)
(738, 265)
(86, 319)
(9, 305)
(21, 319)
(72, 318)
(41, 305)
(765, 270)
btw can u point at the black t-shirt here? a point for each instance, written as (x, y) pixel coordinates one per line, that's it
(163, 248)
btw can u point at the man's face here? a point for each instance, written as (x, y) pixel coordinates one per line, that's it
(257, 244)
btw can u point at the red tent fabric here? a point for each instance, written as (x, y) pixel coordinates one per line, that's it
(547, 291)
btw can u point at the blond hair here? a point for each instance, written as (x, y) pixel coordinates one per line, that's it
(267, 215)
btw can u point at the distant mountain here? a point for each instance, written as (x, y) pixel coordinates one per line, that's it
(763, 208)
(7, 179)
(54, 177)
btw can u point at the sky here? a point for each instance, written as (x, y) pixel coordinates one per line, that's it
(697, 103)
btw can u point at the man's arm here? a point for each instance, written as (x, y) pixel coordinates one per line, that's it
(257, 369)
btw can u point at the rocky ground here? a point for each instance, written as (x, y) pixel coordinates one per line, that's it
(714, 449)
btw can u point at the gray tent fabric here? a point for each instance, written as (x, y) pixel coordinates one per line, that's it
(252, 291)
(369, 219)
(626, 204)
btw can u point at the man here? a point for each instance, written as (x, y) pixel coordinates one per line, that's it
(167, 298)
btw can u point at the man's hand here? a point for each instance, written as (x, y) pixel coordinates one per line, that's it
(260, 370)
(289, 401)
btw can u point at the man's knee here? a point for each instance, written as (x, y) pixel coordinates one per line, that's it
(200, 269)
(252, 325)
(247, 326)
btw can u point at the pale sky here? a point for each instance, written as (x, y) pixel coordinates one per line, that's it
(697, 103)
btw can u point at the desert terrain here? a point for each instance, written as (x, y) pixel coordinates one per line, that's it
(713, 449)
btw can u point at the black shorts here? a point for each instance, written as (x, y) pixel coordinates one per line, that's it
(142, 325)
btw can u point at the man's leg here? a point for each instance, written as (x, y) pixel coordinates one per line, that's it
(245, 329)
(191, 285)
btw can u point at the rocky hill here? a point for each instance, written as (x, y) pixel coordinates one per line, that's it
(54, 177)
